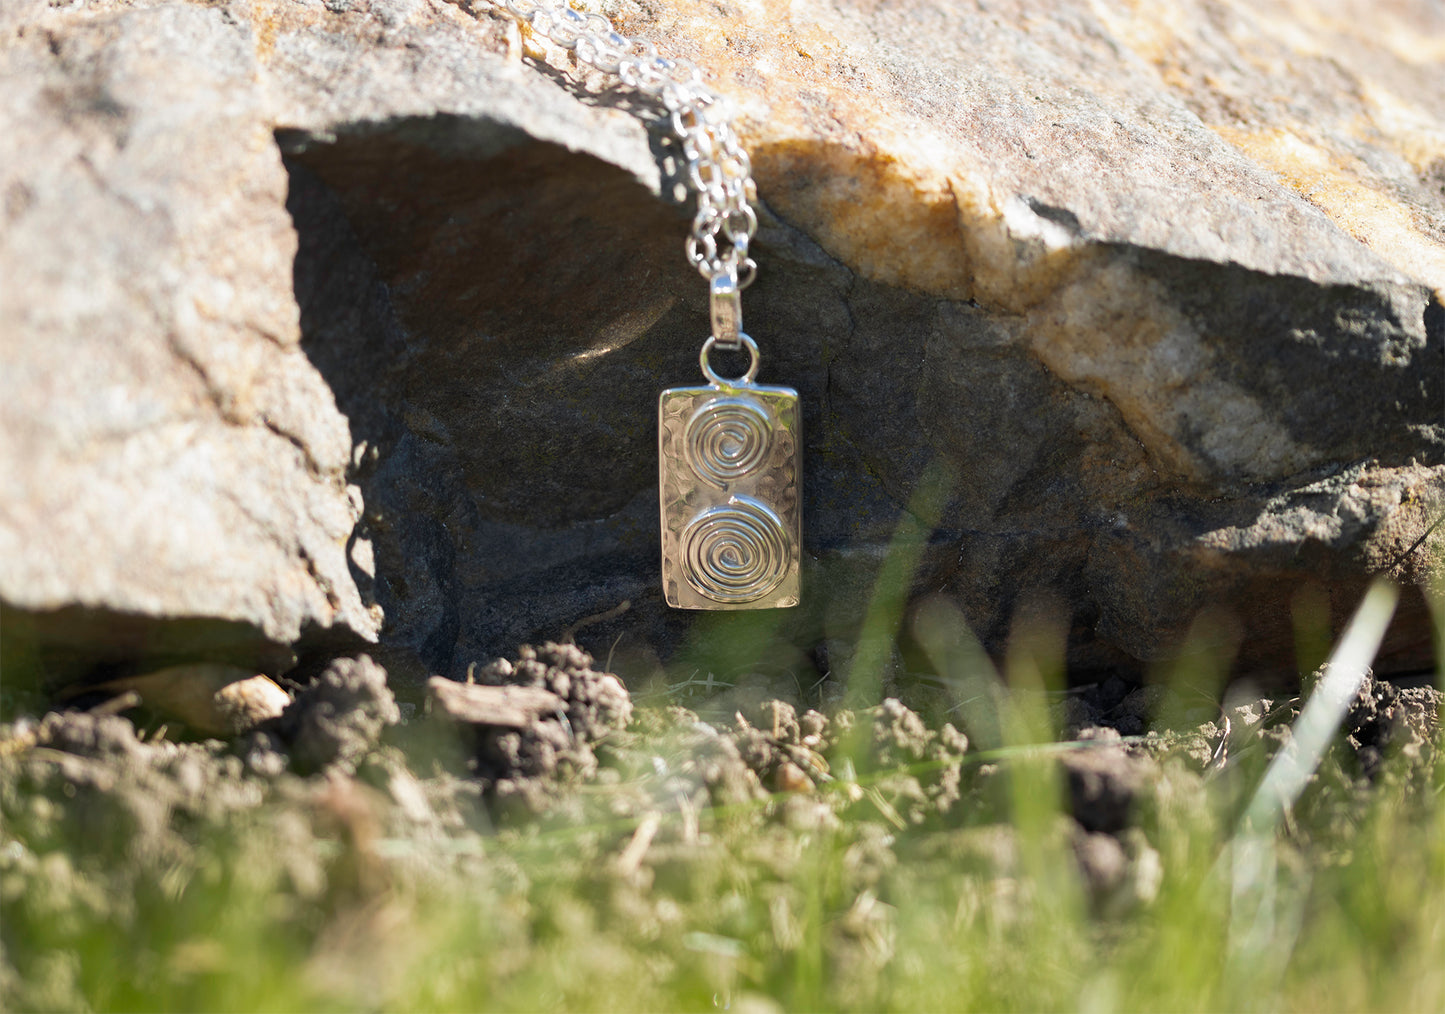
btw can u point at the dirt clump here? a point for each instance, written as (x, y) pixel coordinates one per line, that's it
(915, 773)
(1119, 872)
(124, 795)
(337, 720)
(537, 789)
(1130, 709)
(881, 763)
(781, 747)
(1384, 717)
(1103, 781)
(886, 759)
(693, 763)
(525, 759)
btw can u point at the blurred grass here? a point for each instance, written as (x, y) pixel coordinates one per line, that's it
(757, 912)
(792, 902)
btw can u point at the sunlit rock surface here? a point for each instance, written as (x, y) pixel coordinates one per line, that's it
(167, 451)
(1138, 308)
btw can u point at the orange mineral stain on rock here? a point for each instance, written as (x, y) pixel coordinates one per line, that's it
(1382, 223)
(271, 19)
(1414, 133)
(1340, 100)
(871, 212)
(832, 150)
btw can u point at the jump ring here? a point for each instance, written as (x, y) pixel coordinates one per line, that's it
(746, 378)
(747, 272)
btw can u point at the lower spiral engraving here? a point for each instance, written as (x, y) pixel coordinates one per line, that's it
(736, 552)
(728, 438)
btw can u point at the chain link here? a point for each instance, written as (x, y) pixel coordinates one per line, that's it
(718, 168)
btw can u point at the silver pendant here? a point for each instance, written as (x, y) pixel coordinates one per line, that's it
(729, 457)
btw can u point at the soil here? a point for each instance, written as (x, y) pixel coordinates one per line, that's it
(93, 806)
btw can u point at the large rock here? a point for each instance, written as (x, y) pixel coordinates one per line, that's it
(167, 451)
(1153, 298)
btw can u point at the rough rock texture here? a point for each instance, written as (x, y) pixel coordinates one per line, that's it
(166, 448)
(1157, 293)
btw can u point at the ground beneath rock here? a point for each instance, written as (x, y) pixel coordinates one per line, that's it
(592, 854)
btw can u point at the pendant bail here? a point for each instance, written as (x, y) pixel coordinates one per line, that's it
(727, 310)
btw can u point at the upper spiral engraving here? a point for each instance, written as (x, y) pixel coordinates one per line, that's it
(727, 439)
(736, 552)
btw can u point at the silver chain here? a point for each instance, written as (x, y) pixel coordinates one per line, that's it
(718, 168)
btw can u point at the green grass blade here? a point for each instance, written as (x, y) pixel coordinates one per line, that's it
(1291, 769)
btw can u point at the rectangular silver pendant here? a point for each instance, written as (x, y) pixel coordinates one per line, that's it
(729, 474)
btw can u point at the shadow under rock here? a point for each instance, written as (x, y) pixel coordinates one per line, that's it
(503, 453)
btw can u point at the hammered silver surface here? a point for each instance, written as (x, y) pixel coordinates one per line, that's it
(728, 474)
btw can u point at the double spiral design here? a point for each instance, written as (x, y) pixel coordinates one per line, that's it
(736, 552)
(727, 439)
